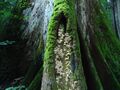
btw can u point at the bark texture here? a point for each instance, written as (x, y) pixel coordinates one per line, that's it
(64, 15)
(94, 26)
(116, 15)
(93, 58)
(71, 46)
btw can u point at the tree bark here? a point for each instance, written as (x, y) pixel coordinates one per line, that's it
(55, 76)
(116, 15)
(81, 51)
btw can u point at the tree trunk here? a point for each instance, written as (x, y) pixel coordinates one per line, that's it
(71, 46)
(81, 51)
(116, 15)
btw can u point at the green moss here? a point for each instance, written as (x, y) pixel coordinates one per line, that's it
(22, 4)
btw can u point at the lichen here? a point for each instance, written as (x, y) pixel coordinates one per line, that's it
(63, 52)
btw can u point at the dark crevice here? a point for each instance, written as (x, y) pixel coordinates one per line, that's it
(62, 20)
(107, 78)
(12, 64)
(86, 63)
(32, 71)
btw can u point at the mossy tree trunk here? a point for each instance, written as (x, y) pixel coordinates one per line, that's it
(101, 44)
(58, 72)
(82, 52)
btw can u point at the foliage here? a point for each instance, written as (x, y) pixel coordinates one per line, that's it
(6, 8)
(11, 11)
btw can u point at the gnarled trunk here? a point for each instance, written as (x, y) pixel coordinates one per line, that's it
(71, 46)
(94, 63)
(116, 15)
